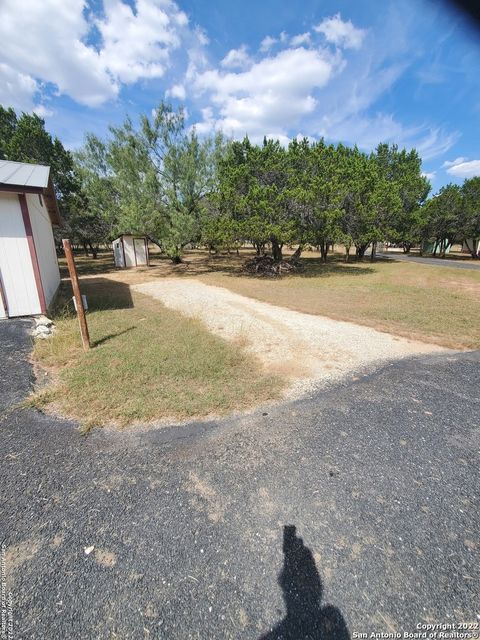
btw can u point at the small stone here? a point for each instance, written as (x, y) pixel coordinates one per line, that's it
(88, 550)
(43, 321)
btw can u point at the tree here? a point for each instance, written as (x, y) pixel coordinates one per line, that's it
(92, 215)
(443, 218)
(317, 191)
(402, 170)
(25, 139)
(160, 175)
(469, 227)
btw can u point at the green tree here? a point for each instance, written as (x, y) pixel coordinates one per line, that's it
(470, 218)
(24, 139)
(160, 176)
(402, 170)
(443, 215)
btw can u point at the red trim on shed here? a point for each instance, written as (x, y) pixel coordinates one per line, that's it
(33, 252)
(3, 297)
(13, 188)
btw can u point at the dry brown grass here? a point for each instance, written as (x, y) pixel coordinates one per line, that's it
(434, 304)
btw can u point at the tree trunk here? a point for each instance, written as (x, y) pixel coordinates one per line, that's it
(276, 248)
(94, 250)
(360, 251)
(298, 252)
(473, 250)
(374, 249)
(85, 248)
(347, 252)
(323, 246)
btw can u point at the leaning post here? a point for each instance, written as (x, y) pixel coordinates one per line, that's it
(72, 270)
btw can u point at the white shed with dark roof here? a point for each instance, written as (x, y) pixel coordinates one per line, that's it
(29, 274)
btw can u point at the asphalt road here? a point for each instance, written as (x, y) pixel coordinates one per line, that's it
(352, 511)
(432, 262)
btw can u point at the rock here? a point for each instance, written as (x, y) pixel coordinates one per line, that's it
(43, 321)
(43, 331)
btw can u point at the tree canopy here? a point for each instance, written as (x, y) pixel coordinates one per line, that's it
(159, 178)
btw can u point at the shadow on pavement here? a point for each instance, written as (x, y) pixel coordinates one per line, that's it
(302, 588)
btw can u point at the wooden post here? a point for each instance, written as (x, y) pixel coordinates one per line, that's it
(72, 270)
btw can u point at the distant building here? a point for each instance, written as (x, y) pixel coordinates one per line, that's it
(130, 251)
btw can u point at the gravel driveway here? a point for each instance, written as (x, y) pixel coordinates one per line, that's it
(307, 349)
(351, 511)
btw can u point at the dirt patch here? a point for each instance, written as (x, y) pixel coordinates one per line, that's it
(307, 350)
(105, 558)
(17, 555)
(205, 498)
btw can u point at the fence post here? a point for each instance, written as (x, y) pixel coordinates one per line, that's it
(72, 270)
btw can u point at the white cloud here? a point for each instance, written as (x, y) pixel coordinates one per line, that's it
(271, 96)
(463, 168)
(452, 163)
(236, 58)
(42, 111)
(130, 44)
(340, 32)
(435, 142)
(430, 175)
(301, 38)
(16, 89)
(177, 91)
(267, 43)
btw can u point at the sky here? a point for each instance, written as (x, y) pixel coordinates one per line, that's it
(358, 72)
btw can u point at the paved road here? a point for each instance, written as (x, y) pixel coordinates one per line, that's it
(355, 510)
(432, 262)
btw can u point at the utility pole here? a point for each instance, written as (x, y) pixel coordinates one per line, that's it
(72, 270)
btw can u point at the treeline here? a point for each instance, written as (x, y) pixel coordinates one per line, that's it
(158, 178)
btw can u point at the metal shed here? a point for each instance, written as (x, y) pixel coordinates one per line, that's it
(130, 251)
(29, 274)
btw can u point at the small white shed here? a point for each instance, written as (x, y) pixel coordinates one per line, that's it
(29, 274)
(130, 251)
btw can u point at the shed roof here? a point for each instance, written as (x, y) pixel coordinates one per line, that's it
(26, 177)
(23, 174)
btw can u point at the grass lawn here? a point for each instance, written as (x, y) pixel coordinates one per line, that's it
(433, 304)
(147, 363)
(150, 363)
(425, 302)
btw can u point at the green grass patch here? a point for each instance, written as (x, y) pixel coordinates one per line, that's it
(147, 363)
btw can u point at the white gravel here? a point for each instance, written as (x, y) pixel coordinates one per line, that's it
(307, 349)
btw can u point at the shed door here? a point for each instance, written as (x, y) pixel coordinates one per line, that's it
(140, 252)
(118, 252)
(18, 279)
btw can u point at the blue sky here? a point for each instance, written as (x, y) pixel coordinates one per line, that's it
(357, 72)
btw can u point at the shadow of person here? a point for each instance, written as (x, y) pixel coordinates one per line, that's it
(305, 619)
